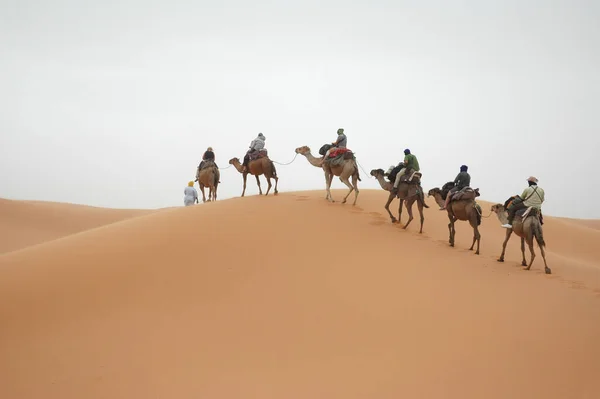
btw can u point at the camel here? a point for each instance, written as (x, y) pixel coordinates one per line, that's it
(258, 167)
(404, 188)
(462, 209)
(344, 171)
(208, 177)
(527, 230)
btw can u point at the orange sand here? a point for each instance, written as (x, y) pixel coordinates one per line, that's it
(292, 297)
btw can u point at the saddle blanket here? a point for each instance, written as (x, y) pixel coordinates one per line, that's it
(258, 154)
(337, 152)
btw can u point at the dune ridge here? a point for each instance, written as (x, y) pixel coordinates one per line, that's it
(291, 296)
(26, 223)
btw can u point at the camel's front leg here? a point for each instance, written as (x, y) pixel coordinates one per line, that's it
(409, 205)
(506, 238)
(387, 207)
(401, 200)
(524, 261)
(328, 179)
(276, 181)
(258, 183)
(355, 185)
(476, 236)
(202, 190)
(244, 176)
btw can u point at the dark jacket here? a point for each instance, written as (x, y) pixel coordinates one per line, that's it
(463, 179)
(208, 156)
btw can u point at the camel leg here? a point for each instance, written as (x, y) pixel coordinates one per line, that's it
(276, 181)
(451, 228)
(202, 190)
(530, 244)
(328, 180)
(269, 185)
(345, 180)
(244, 176)
(546, 268)
(508, 233)
(524, 261)
(258, 183)
(387, 207)
(476, 237)
(409, 204)
(420, 208)
(401, 201)
(355, 185)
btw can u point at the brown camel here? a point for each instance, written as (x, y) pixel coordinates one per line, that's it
(527, 230)
(461, 209)
(406, 192)
(344, 171)
(209, 177)
(258, 167)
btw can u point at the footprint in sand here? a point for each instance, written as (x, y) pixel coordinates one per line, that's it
(376, 223)
(577, 285)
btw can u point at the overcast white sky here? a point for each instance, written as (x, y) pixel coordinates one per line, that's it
(112, 103)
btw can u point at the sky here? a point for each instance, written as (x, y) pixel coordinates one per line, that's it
(113, 103)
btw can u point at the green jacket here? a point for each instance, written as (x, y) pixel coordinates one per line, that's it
(411, 162)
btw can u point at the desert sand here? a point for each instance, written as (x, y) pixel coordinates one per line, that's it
(290, 296)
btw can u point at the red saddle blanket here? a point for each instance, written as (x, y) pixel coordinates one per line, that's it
(337, 152)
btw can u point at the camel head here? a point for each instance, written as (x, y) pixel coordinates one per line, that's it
(377, 172)
(303, 150)
(234, 160)
(498, 208)
(434, 191)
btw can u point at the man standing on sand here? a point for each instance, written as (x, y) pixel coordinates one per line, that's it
(532, 196)
(190, 195)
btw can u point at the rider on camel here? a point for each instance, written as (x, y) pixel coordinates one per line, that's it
(208, 155)
(462, 180)
(410, 162)
(257, 144)
(532, 196)
(340, 142)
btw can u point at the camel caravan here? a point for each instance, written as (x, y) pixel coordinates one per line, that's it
(520, 214)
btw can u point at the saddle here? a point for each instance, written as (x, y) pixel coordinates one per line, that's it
(206, 164)
(337, 155)
(262, 153)
(525, 212)
(411, 177)
(466, 193)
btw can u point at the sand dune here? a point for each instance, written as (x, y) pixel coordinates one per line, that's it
(26, 223)
(293, 297)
